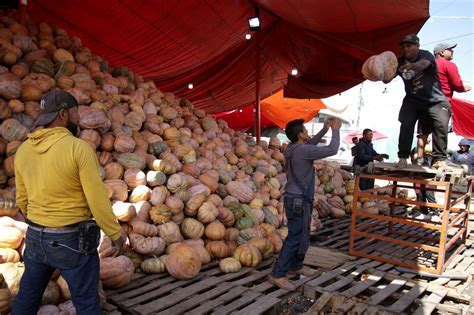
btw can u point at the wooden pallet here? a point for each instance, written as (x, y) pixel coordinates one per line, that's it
(371, 287)
(210, 292)
(335, 232)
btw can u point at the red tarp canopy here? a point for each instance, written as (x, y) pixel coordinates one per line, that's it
(175, 42)
(463, 117)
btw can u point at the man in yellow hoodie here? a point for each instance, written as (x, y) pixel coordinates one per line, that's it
(59, 191)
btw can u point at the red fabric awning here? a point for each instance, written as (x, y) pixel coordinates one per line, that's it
(176, 42)
(275, 111)
(463, 117)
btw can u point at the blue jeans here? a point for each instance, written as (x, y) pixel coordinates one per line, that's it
(42, 256)
(297, 242)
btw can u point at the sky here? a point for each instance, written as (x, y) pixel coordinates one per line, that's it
(451, 21)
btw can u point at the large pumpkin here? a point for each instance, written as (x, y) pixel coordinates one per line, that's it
(147, 245)
(116, 272)
(153, 265)
(248, 255)
(218, 249)
(207, 212)
(380, 67)
(192, 228)
(215, 231)
(198, 245)
(170, 232)
(183, 263)
(160, 214)
(240, 191)
(264, 245)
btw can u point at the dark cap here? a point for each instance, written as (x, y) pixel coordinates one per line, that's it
(51, 103)
(443, 46)
(410, 38)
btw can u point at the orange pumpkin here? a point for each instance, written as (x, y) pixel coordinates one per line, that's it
(147, 245)
(183, 263)
(170, 232)
(218, 249)
(248, 255)
(116, 272)
(192, 228)
(215, 231)
(160, 214)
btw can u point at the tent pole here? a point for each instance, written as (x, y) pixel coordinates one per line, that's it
(22, 7)
(257, 90)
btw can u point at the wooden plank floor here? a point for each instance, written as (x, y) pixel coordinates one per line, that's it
(364, 286)
(210, 292)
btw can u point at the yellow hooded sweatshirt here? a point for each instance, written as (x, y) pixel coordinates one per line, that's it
(58, 182)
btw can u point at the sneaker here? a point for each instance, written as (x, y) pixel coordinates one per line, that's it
(282, 283)
(402, 163)
(305, 271)
(420, 161)
(435, 218)
(440, 164)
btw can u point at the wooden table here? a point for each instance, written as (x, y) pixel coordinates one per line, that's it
(448, 235)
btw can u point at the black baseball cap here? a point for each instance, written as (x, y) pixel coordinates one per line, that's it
(51, 103)
(410, 38)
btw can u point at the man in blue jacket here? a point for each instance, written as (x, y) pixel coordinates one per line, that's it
(366, 154)
(299, 196)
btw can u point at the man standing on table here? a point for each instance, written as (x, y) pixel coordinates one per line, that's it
(59, 190)
(299, 196)
(450, 80)
(424, 99)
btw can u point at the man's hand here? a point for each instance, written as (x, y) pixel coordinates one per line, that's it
(385, 156)
(407, 66)
(118, 245)
(467, 88)
(378, 157)
(327, 122)
(336, 123)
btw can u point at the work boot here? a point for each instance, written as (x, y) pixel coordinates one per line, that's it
(402, 163)
(305, 271)
(282, 283)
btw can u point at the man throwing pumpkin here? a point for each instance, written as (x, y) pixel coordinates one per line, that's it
(424, 99)
(299, 196)
(58, 189)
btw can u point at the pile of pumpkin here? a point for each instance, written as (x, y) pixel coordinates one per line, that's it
(186, 188)
(334, 189)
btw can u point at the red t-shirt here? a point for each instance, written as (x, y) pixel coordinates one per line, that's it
(449, 77)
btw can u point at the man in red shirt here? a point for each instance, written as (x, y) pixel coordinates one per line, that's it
(450, 80)
(448, 71)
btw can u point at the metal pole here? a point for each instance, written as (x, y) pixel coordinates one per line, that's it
(22, 7)
(257, 89)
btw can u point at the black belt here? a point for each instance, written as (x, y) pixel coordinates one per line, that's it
(64, 229)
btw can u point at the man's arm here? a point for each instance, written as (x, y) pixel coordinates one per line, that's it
(454, 78)
(315, 140)
(95, 192)
(362, 154)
